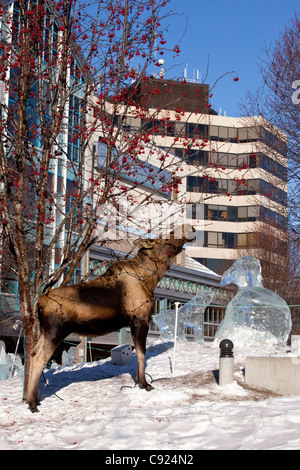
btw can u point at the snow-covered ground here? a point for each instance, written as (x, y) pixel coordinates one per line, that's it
(96, 406)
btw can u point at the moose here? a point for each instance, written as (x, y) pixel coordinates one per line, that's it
(122, 297)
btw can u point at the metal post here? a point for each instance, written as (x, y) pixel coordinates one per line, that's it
(175, 335)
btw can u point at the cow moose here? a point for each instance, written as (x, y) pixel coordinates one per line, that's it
(122, 297)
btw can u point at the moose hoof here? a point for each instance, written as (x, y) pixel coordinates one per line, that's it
(147, 387)
(33, 407)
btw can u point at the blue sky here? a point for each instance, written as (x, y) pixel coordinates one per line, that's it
(233, 34)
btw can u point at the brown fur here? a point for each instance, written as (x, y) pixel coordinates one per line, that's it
(123, 296)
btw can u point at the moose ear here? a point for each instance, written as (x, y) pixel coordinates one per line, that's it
(144, 243)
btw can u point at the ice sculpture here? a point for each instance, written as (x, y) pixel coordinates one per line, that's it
(255, 313)
(189, 315)
(69, 357)
(165, 320)
(10, 364)
(193, 313)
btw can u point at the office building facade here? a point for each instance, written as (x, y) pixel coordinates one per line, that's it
(235, 170)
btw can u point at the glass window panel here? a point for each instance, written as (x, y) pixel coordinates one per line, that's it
(198, 131)
(180, 128)
(179, 152)
(253, 160)
(212, 212)
(222, 213)
(232, 132)
(202, 131)
(230, 240)
(213, 157)
(191, 129)
(135, 122)
(223, 159)
(170, 128)
(222, 238)
(242, 213)
(212, 238)
(232, 186)
(253, 213)
(161, 127)
(253, 239)
(192, 156)
(243, 134)
(60, 185)
(232, 214)
(213, 185)
(253, 133)
(232, 160)
(223, 184)
(242, 239)
(253, 186)
(191, 182)
(214, 131)
(243, 159)
(223, 132)
(203, 157)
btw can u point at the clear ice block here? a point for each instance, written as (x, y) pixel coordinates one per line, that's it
(189, 315)
(255, 312)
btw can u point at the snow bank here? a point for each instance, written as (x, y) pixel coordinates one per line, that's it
(96, 406)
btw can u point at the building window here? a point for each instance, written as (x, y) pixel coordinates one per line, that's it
(197, 157)
(179, 129)
(232, 213)
(211, 185)
(273, 141)
(221, 186)
(273, 218)
(75, 126)
(220, 240)
(231, 134)
(273, 167)
(216, 212)
(197, 131)
(274, 193)
(216, 265)
(212, 319)
(230, 240)
(233, 160)
(248, 240)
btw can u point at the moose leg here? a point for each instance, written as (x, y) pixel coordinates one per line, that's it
(139, 332)
(41, 354)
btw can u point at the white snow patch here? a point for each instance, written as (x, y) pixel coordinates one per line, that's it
(96, 406)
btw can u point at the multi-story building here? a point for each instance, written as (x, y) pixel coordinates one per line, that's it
(235, 168)
(65, 150)
(66, 159)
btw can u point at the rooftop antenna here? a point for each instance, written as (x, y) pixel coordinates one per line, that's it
(185, 72)
(162, 70)
(196, 75)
